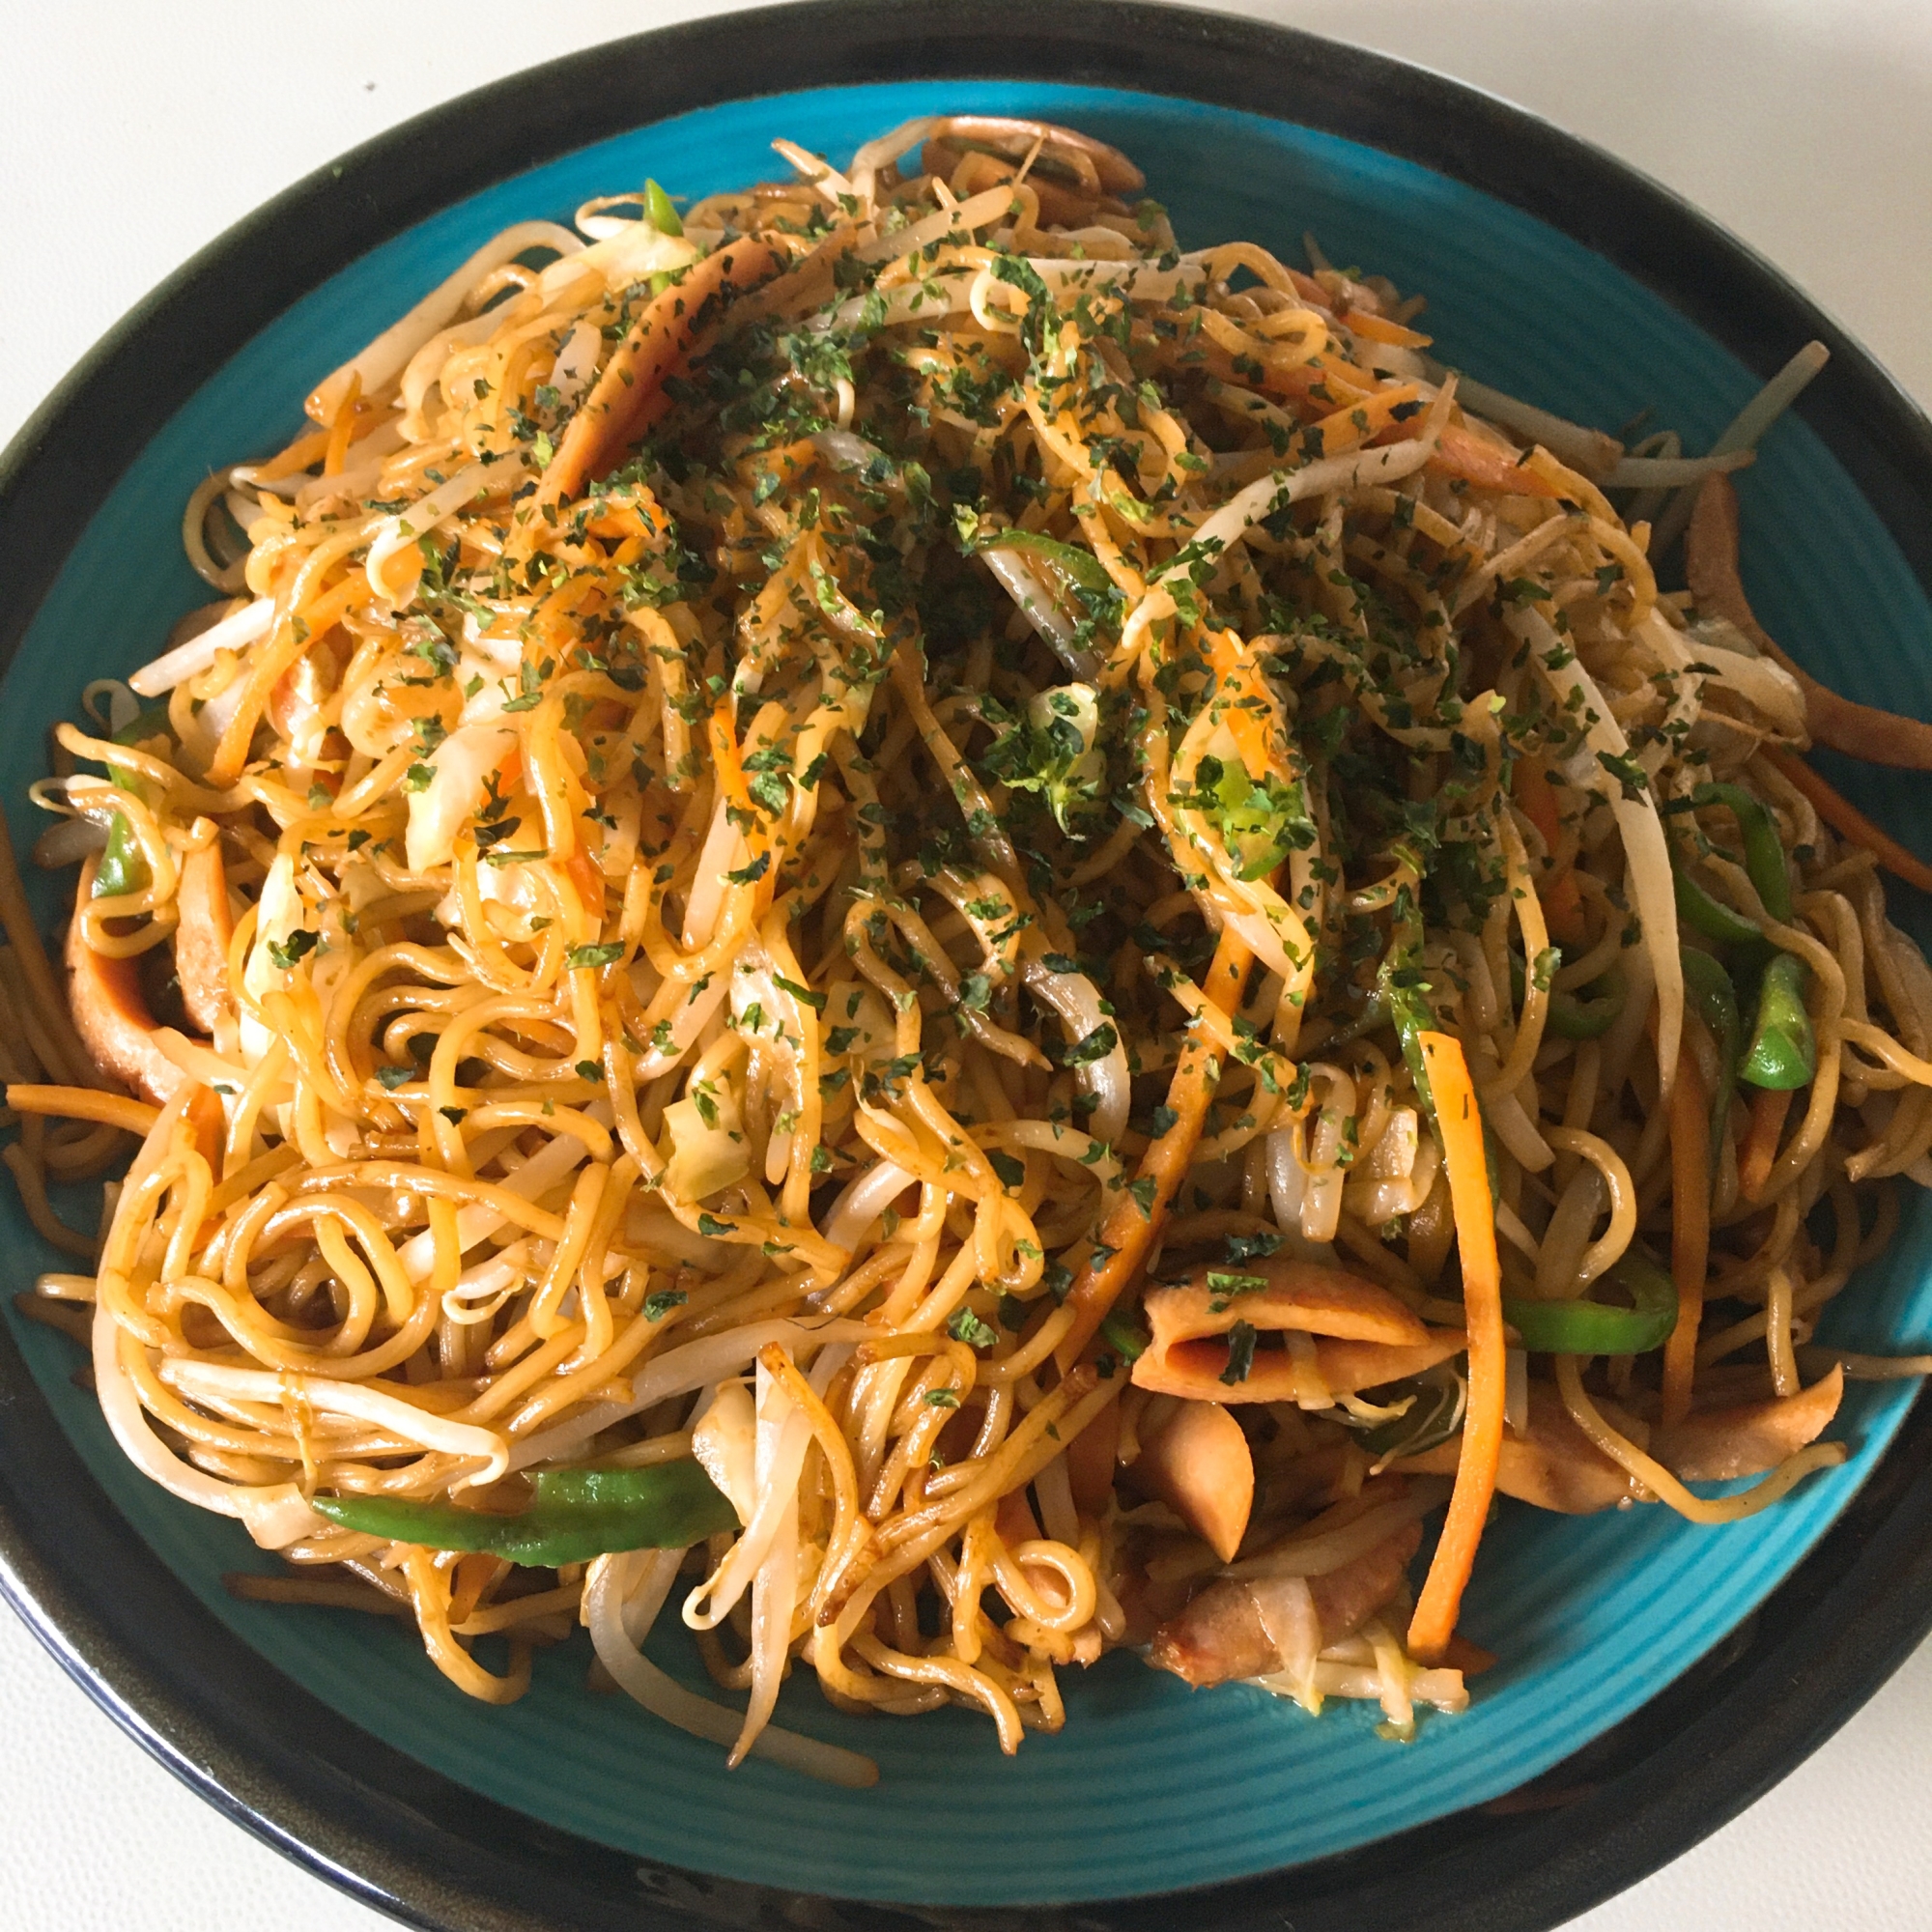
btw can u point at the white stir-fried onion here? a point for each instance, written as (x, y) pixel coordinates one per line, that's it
(893, 860)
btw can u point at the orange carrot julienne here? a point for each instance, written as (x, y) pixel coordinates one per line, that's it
(1689, 1230)
(343, 428)
(1769, 1107)
(1562, 902)
(806, 285)
(1245, 703)
(206, 1122)
(296, 458)
(582, 869)
(783, 467)
(1134, 1221)
(725, 760)
(307, 449)
(1434, 1626)
(1563, 908)
(1533, 791)
(1486, 464)
(1380, 328)
(1344, 429)
(1842, 815)
(630, 394)
(1310, 290)
(629, 516)
(1342, 381)
(471, 1574)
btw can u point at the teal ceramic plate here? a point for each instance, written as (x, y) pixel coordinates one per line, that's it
(1150, 1788)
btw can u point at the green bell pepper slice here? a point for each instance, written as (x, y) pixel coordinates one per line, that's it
(1437, 1397)
(1703, 913)
(1764, 850)
(658, 212)
(1574, 1018)
(1124, 1337)
(1081, 565)
(1571, 1016)
(1708, 989)
(1783, 1052)
(1372, 1017)
(124, 866)
(576, 1515)
(149, 721)
(1765, 865)
(1581, 1327)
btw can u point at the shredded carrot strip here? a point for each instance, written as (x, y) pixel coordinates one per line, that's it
(472, 1573)
(1131, 1227)
(84, 1103)
(343, 427)
(1842, 815)
(1342, 381)
(631, 517)
(729, 767)
(1380, 328)
(1562, 902)
(1759, 1154)
(1245, 705)
(584, 875)
(1486, 464)
(1344, 429)
(310, 449)
(807, 284)
(785, 466)
(1462, 1123)
(296, 458)
(630, 394)
(1689, 1230)
(1309, 289)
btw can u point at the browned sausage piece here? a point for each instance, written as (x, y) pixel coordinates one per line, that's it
(104, 994)
(1556, 1467)
(1223, 1633)
(1200, 1465)
(1858, 730)
(1089, 1462)
(202, 937)
(1717, 1443)
(1189, 1351)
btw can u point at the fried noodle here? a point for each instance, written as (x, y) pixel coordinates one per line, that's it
(864, 837)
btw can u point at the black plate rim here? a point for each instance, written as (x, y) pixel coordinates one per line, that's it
(432, 1854)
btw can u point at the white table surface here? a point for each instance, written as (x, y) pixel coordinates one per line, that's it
(134, 132)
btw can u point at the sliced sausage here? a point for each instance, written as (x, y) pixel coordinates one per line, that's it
(1224, 1632)
(1189, 1353)
(1200, 1465)
(104, 994)
(202, 937)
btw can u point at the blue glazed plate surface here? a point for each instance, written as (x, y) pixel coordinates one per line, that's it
(1150, 1787)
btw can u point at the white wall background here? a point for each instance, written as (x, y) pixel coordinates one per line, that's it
(134, 132)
